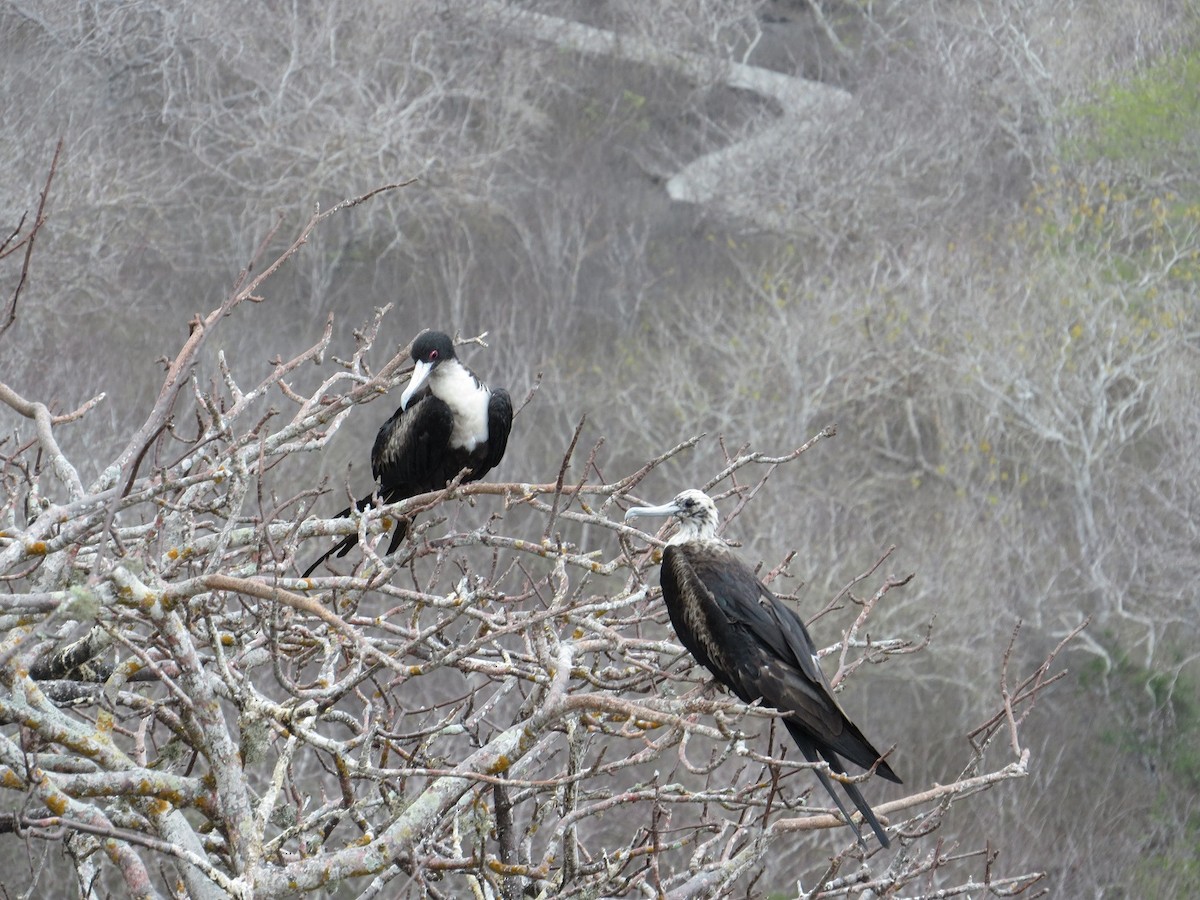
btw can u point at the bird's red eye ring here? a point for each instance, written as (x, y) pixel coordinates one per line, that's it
(433, 354)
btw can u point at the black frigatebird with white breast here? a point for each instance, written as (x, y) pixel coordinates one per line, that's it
(755, 645)
(448, 421)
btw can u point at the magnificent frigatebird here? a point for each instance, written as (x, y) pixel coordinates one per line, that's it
(447, 421)
(755, 645)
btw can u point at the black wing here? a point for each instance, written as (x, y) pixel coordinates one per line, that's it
(759, 648)
(406, 461)
(409, 456)
(842, 735)
(776, 660)
(500, 416)
(412, 455)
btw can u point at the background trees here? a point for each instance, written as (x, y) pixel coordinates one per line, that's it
(976, 253)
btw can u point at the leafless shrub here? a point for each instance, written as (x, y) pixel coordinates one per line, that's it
(498, 709)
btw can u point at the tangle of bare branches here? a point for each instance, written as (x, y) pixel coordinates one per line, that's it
(498, 709)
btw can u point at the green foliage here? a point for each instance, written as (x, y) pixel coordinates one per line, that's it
(1152, 119)
(624, 115)
(1155, 717)
(1145, 128)
(1173, 871)
(1159, 714)
(1135, 238)
(1178, 696)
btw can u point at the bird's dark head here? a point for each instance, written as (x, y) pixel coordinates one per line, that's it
(429, 350)
(695, 510)
(432, 347)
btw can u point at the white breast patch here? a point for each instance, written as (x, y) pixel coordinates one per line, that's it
(468, 400)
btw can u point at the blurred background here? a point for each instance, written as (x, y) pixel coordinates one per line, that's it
(967, 233)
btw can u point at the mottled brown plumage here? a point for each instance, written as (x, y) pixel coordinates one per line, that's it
(754, 644)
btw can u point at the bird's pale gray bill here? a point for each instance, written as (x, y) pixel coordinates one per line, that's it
(419, 376)
(667, 509)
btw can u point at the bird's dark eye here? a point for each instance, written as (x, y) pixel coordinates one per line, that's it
(433, 354)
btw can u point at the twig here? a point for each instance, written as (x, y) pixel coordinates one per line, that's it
(10, 312)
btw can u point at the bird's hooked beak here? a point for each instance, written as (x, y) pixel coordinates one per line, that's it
(420, 375)
(667, 509)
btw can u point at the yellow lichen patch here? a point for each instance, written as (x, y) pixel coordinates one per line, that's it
(104, 723)
(9, 779)
(501, 765)
(656, 555)
(501, 868)
(415, 671)
(160, 808)
(172, 553)
(37, 548)
(57, 803)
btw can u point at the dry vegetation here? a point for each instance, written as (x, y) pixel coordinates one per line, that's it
(977, 255)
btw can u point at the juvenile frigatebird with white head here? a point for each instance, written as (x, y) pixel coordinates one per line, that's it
(448, 421)
(754, 644)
